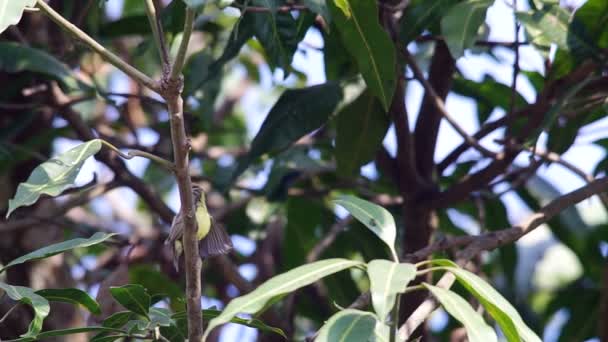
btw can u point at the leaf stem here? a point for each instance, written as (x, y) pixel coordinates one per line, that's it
(153, 19)
(395, 319)
(9, 312)
(95, 46)
(138, 153)
(178, 64)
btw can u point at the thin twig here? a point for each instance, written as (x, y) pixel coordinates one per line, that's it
(328, 239)
(492, 240)
(138, 153)
(95, 46)
(9, 312)
(153, 18)
(515, 62)
(180, 58)
(443, 110)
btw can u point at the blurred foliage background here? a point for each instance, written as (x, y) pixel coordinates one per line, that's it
(316, 142)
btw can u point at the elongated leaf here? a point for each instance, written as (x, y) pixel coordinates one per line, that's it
(460, 25)
(547, 26)
(53, 176)
(476, 327)
(60, 247)
(368, 43)
(133, 297)
(497, 306)
(63, 332)
(297, 113)
(360, 130)
(348, 325)
(72, 296)
(118, 319)
(276, 31)
(373, 216)
(18, 58)
(278, 286)
(11, 12)
(387, 279)
(422, 15)
(38, 303)
(209, 314)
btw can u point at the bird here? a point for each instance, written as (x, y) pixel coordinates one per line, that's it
(213, 239)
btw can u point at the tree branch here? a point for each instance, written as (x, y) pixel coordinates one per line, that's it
(489, 241)
(95, 46)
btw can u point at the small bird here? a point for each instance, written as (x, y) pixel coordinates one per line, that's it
(213, 239)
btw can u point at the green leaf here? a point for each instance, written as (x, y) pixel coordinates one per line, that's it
(489, 94)
(195, 4)
(53, 176)
(118, 319)
(38, 303)
(60, 247)
(11, 12)
(18, 58)
(161, 317)
(420, 15)
(360, 130)
(276, 287)
(577, 37)
(387, 279)
(373, 216)
(460, 25)
(210, 314)
(589, 23)
(507, 317)
(71, 331)
(476, 327)
(368, 43)
(72, 296)
(276, 31)
(133, 297)
(348, 325)
(344, 7)
(297, 113)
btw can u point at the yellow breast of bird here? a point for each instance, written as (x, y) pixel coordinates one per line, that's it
(204, 222)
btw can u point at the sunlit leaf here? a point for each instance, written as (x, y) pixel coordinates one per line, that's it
(507, 317)
(348, 325)
(60, 247)
(38, 303)
(387, 279)
(373, 216)
(279, 286)
(11, 12)
(476, 327)
(53, 176)
(72, 296)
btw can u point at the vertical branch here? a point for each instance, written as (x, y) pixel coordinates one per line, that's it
(156, 32)
(427, 125)
(176, 70)
(95, 46)
(171, 89)
(515, 63)
(193, 263)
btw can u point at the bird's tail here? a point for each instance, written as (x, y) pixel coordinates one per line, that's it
(217, 242)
